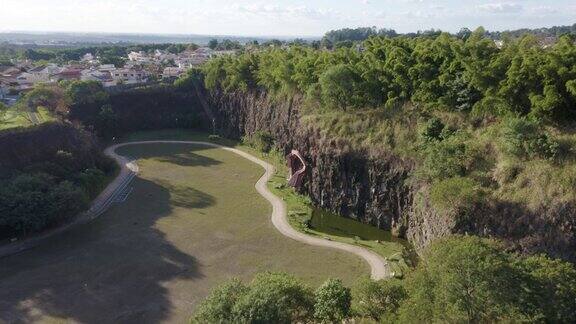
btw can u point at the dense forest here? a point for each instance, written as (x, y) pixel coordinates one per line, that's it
(442, 72)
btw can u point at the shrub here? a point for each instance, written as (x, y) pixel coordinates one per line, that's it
(217, 307)
(455, 193)
(432, 129)
(378, 299)
(261, 141)
(332, 301)
(274, 298)
(522, 138)
(445, 159)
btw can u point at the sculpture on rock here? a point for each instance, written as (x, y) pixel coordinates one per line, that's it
(296, 169)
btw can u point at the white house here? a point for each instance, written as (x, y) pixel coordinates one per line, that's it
(172, 72)
(40, 74)
(129, 76)
(139, 57)
(95, 75)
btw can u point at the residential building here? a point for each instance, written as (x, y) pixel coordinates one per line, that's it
(172, 72)
(129, 76)
(140, 56)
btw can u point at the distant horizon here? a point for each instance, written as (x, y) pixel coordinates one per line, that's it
(287, 18)
(286, 36)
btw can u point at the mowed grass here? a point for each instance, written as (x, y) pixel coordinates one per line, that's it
(192, 221)
(13, 118)
(398, 252)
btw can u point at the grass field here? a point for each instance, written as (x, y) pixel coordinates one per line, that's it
(300, 210)
(15, 118)
(192, 221)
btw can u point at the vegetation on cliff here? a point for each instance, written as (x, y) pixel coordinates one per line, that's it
(488, 129)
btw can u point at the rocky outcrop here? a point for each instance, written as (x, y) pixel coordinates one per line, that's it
(373, 186)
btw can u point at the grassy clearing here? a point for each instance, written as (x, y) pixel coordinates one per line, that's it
(192, 221)
(15, 118)
(300, 208)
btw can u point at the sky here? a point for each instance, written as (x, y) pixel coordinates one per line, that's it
(278, 17)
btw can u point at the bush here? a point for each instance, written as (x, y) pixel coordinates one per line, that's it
(332, 302)
(445, 159)
(522, 138)
(217, 307)
(378, 299)
(274, 298)
(261, 141)
(455, 193)
(32, 202)
(432, 129)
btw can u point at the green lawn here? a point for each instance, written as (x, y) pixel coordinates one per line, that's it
(300, 210)
(15, 118)
(192, 221)
(12, 119)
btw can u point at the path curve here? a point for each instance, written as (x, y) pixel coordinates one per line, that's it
(128, 170)
(379, 266)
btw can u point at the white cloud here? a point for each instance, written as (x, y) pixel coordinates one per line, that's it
(543, 11)
(501, 7)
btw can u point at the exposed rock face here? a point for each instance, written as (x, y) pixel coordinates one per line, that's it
(373, 187)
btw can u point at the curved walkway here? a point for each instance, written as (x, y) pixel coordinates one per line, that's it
(379, 266)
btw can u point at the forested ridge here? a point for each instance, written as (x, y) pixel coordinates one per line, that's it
(489, 132)
(483, 124)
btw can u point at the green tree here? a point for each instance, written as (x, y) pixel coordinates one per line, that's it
(332, 302)
(86, 92)
(378, 299)
(274, 298)
(213, 44)
(549, 288)
(218, 306)
(463, 279)
(337, 86)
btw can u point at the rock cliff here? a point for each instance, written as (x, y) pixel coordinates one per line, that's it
(374, 187)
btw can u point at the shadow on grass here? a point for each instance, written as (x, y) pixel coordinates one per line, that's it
(187, 197)
(112, 270)
(178, 154)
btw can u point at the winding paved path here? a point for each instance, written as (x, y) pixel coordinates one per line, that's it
(129, 169)
(379, 266)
